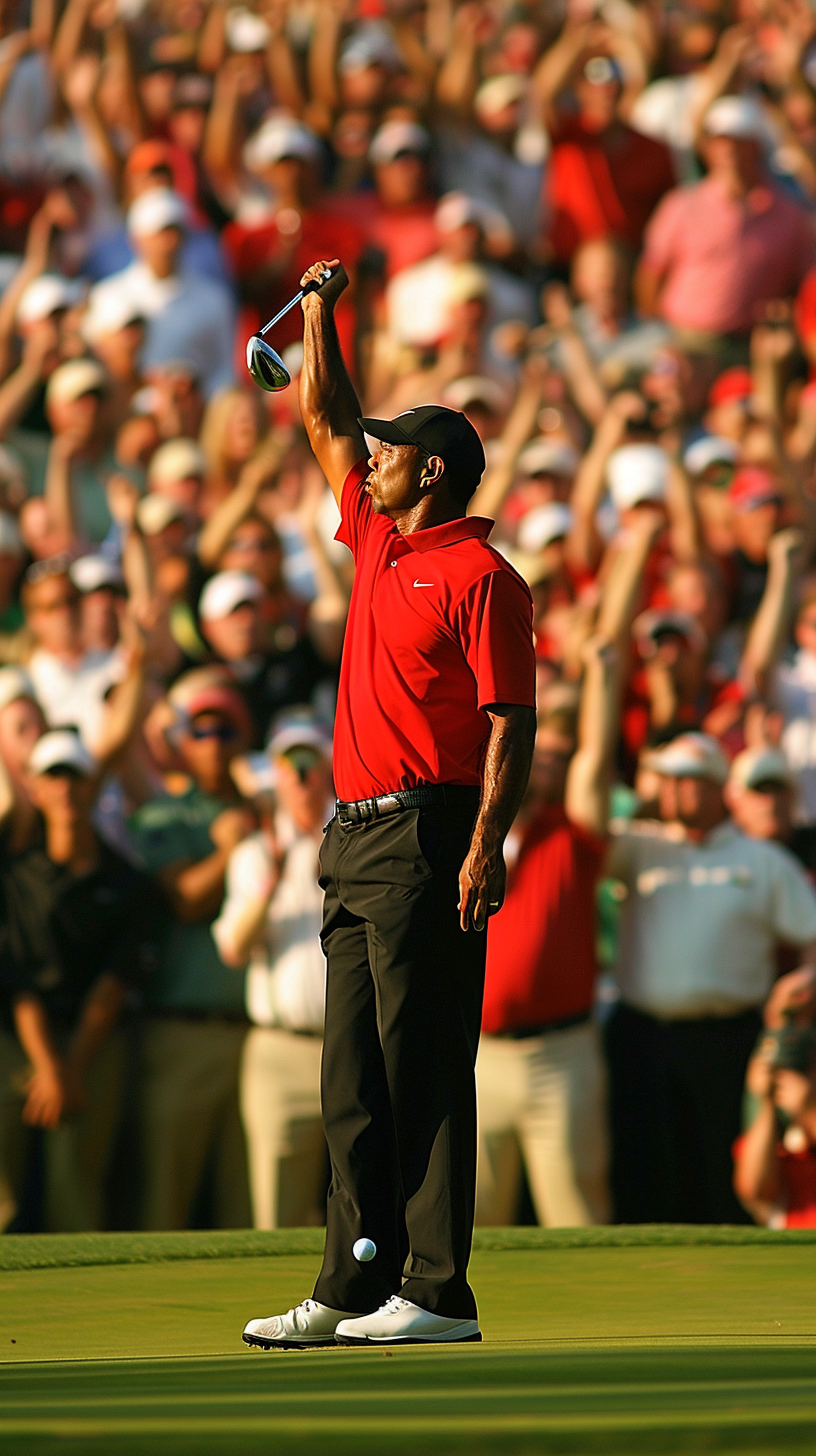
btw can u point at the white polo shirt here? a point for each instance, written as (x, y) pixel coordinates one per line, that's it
(701, 921)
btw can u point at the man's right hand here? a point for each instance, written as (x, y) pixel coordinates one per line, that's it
(45, 1097)
(330, 290)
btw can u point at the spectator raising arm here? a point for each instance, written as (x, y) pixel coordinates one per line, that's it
(497, 480)
(587, 790)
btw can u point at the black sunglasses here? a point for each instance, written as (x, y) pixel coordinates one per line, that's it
(224, 732)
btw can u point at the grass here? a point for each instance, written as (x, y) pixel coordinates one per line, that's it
(618, 1340)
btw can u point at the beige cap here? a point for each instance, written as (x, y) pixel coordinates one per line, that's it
(176, 460)
(548, 457)
(499, 92)
(61, 748)
(73, 379)
(46, 295)
(475, 389)
(155, 512)
(395, 137)
(691, 756)
(755, 766)
(226, 591)
(155, 210)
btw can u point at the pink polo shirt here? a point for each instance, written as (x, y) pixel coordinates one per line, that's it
(723, 255)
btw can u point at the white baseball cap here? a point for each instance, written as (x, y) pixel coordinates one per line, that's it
(295, 730)
(543, 525)
(499, 92)
(15, 683)
(548, 457)
(245, 31)
(373, 45)
(755, 766)
(475, 389)
(636, 473)
(73, 379)
(226, 591)
(176, 460)
(61, 748)
(279, 137)
(92, 573)
(109, 310)
(45, 296)
(394, 137)
(738, 117)
(155, 512)
(710, 450)
(691, 756)
(457, 209)
(154, 211)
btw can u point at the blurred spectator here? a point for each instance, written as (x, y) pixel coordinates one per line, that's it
(757, 243)
(271, 916)
(190, 318)
(77, 935)
(196, 1024)
(775, 1159)
(704, 912)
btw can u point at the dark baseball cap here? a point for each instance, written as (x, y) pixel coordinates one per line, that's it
(437, 431)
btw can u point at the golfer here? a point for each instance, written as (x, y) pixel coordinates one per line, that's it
(433, 742)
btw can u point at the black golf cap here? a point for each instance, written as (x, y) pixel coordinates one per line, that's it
(438, 431)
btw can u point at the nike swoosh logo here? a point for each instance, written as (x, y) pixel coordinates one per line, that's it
(423, 583)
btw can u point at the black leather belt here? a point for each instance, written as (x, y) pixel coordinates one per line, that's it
(542, 1028)
(366, 811)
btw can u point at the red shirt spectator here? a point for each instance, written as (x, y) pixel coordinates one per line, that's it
(541, 964)
(603, 184)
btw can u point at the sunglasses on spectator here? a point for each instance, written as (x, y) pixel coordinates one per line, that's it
(51, 566)
(223, 732)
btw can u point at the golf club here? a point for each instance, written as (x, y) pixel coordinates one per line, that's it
(264, 364)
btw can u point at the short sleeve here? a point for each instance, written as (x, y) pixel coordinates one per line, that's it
(356, 513)
(495, 625)
(249, 873)
(793, 901)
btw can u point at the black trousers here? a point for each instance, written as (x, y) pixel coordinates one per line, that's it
(403, 1011)
(676, 1091)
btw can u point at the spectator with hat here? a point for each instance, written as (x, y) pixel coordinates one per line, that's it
(271, 917)
(196, 1024)
(715, 251)
(77, 936)
(705, 909)
(189, 318)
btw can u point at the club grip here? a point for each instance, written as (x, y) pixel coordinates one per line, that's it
(315, 284)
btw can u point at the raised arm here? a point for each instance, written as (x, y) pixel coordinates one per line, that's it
(769, 628)
(491, 493)
(228, 515)
(328, 402)
(587, 790)
(509, 754)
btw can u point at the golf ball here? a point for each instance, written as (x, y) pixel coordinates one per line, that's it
(363, 1250)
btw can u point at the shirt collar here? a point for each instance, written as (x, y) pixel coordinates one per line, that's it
(464, 528)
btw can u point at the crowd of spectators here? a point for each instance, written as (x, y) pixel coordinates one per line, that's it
(591, 226)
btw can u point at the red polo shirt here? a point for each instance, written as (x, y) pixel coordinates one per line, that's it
(440, 626)
(541, 964)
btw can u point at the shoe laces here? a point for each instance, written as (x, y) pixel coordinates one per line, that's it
(299, 1316)
(395, 1305)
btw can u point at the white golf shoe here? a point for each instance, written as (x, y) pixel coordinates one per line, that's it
(399, 1322)
(303, 1328)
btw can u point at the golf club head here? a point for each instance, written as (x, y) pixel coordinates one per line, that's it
(266, 367)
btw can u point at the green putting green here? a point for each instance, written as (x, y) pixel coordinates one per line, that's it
(623, 1340)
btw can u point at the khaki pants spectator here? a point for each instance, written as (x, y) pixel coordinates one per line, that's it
(191, 1121)
(280, 1105)
(543, 1098)
(76, 1153)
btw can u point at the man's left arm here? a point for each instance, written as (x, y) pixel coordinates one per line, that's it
(99, 1016)
(506, 771)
